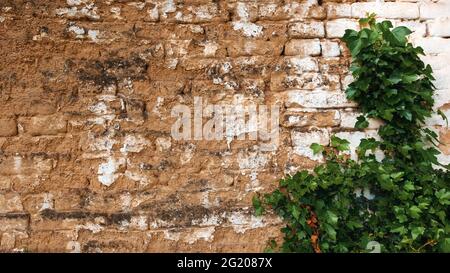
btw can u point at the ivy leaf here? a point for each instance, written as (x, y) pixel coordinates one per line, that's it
(259, 209)
(401, 230)
(317, 148)
(361, 122)
(400, 34)
(332, 218)
(295, 212)
(443, 197)
(340, 144)
(330, 231)
(444, 117)
(415, 211)
(416, 232)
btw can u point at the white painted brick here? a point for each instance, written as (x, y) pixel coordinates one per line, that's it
(442, 79)
(433, 45)
(318, 99)
(307, 47)
(437, 120)
(336, 28)
(330, 49)
(443, 159)
(338, 10)
(441, 97)
(355, 138)
(302, 64)
(307, 30)
(346, 81)
(435, 10)
(437, 62)
(349, 118)
(390, 10)
(303, 140)
(440, 27)
(419, 29)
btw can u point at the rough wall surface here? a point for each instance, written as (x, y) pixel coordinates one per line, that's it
(87, 161)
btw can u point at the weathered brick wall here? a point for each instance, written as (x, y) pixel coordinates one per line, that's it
(87, 162)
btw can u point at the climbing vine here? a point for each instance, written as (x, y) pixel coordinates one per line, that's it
(401, 202)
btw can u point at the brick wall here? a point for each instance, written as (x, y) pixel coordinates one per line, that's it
(87, 161)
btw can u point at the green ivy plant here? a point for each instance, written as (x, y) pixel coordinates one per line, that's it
(400, 203)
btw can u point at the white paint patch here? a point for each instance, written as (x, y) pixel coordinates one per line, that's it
(79, 31)
(126, 201)
(205, 200)
(159, 103)
(48, 202)
(210, 49)
(93, 227)
(168, 7)
(88, 11)
(93, 35)
(163, 143)
(17, 164)
(139, 222)
(206, 234)
(153, 13)
(116, 12)
(75, 2)
(188, 154)
(133, 144)
(249, 29)
(241, 223)
(99, 109)
(107, 171)
(303, 140)
(252, 160)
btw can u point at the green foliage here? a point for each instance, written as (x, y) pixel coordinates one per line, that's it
(401, 202)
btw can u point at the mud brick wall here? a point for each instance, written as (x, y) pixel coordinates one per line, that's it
(87, 161)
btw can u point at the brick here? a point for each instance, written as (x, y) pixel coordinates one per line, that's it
(336, 28)
(318, 99)
(439, 27)
(335, 10)
(18, 165)
(8, 127)
(442, 80)
(301, 141)
(10, 202)
(307, 30)
(433, 45)
(304, 81)
(330, 49)
(301, 64)
(47, 125)
(355, 138)
(389, 10)
(437, 62)
(441, 97)
(434, 10)
(5, 183)
(301, 118)
(444, 138)
(419, 29)
(349, 118)
(437, 120)
(251, 47)
(13, 222)
(309, 47)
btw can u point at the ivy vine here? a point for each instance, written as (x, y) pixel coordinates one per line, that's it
(400, 203)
